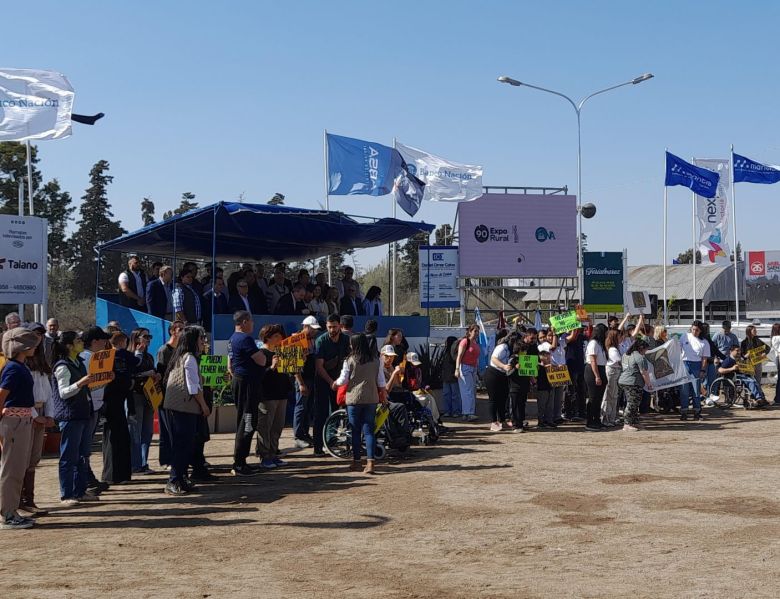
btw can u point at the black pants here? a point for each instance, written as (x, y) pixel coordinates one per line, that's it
(595, 395)
(324, 399)
(518, 396)
(246, 394)
(164, 444)
(574, 402)
(497, 384)
(183, 428)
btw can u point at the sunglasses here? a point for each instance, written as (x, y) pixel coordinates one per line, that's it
(149, 337)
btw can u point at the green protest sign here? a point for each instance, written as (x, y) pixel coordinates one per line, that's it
(213, 369)
(527, 365)
(563, 323)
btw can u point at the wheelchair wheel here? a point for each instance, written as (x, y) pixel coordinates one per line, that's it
(337, 435)
(725, 390)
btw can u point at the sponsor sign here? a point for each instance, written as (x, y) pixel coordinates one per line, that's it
(558, 376)
(605, 279)
(101, 367)
(762, 284)
(518, 235)
(439, 277)
(23, 259)
(213, 370)
(563, 323)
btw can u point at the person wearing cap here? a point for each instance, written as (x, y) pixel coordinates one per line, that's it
(330, 352)
(132, 285)
(304, 387)
(94, 339)
(413, 381)
(393, 373)
(17, 408)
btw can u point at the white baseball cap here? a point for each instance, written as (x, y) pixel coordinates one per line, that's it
(312, 322)
(413, 358)
(388, 350)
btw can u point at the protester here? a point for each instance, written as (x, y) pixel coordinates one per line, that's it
(633, 380)
(186, 300)
(364, 377)
(164, 355)
(450, 389)
(497, 379)
(413, 383)
(466, 363)
(275, 388)
(184, 405)
(557, 349)
(609, 404)
(545, 408)
(246, 364)
(331, 351)
(695, 352)
(132, 285)
(725, 339)
(775, 344)
(753, 342)
(304, 387)
(595, 376)
(159, 294)
(94, 339)
(574, 404)
(118, 403)
(520, 385)
(72, 411)
(372, 304)
(17, 403)
(730, 369)
(142, 425)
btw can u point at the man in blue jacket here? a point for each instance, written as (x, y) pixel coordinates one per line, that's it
(159, 291)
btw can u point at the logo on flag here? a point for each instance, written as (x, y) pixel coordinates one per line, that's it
(358, 167)
(700, 180)
(444, 180)
(34, 105)
(750, 171)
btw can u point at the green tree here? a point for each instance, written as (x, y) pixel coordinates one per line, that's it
(97, 225)
(409, 262)
(13, 167)
(685, 257)
(185, 205)
(277, 200)
(54, 205)
(147, 212)
(444, 235)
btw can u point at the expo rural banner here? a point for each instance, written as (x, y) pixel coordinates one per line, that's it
(762, 284)
(605, 280)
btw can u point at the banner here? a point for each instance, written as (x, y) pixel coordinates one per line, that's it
(101, 366)
(563, 323)
(23, 259)
(762, 284)
(486, 345)
(750, 171)
(700, 180)
(213, 370)
(712, 215)
(527, 365)
(408, 191)
(445, 181)
(292, 352)
(667, 367)
(153, 392)
(558, 376)
(356, 166)
(439, 277)
(604, 278)
(34, 105)
(517, 235)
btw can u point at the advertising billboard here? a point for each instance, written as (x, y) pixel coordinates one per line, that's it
(439, 277)
(762, 284)
(604, 281)
(518, 235)
(23, 259)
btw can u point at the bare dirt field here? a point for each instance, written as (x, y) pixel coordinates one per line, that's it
(677, 510)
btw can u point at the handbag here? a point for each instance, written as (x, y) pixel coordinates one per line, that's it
(177, 395)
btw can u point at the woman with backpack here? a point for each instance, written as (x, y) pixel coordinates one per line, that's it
(364, 376)
(466, 363)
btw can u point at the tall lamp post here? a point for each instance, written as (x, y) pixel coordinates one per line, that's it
(578, 110)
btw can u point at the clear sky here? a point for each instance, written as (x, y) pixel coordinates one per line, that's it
(231, 98)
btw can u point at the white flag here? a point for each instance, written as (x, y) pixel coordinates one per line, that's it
(34, 105)
(445, 181)
(713, 215)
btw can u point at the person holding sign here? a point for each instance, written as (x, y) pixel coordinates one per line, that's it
(275, 387)
(142, 423)
(520, 384)
(595, 376)
(545, 414)
(753, 344)
(633, 380)
(609, 405)
(730, 369)
(118, 403)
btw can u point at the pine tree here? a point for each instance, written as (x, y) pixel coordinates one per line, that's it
(97, 225)
(185, 206)
(277, 200)
(409, 262)
(54, 205)
(147, 212)
(13, 167)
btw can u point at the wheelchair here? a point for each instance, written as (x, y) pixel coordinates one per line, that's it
(730, 392)
(337, 435)
(425, 430)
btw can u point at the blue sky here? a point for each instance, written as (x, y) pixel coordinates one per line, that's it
(223, 99)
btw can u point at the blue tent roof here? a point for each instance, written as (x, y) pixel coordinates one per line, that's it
(261, 231)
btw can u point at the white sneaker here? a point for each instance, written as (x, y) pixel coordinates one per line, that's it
(495, 428)
(69, 502)
(710, 403)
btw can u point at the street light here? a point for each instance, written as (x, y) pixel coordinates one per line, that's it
(577, 109)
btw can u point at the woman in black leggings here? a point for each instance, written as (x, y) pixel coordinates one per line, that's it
(497, 379)
(595, 376)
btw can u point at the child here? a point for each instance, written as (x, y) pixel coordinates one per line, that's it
(545, 394)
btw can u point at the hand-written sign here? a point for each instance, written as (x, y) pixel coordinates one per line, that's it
(153, 392)
(558, 376)
(757, 355)
(101, 367)
(213, 369)
(563, 323)
(527, 365)
(292, 352)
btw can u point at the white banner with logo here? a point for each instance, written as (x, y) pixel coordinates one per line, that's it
(712, 215)
(667, 367)
(445, 181)
(34, 105)
(23, 259)
(439, 277)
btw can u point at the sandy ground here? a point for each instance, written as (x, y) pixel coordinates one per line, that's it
(677, 510)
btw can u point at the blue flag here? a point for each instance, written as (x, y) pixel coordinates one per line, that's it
(700, 180)
(750, 171)
(356, 166)
(485, 346)
(408, 190)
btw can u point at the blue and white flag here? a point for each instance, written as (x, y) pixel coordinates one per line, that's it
(485, 346)
(700, 180)
(362, 167)
(750, 171)
(445, 181)
(408, 191)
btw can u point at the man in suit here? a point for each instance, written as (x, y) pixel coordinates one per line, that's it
(132, 286)
(241, 300)
(350, 304)
(256, 295)
(220, 302)
(159, 294)
(187, 305)
(293, 303)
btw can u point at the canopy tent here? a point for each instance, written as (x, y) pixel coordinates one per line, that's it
(235, 231)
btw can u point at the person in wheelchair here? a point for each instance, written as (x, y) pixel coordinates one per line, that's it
(730, 370)
(398, 386)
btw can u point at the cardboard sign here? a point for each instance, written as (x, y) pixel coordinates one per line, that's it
(153, 392)
(558, 376)
(101, 365)
(756, 356)
(213, 369)
(582, 314)
(292, 353)
(527, 365)
(563, 323)
(639, 302)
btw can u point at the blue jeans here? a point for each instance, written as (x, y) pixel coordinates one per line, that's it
(303, 409)
(361, 418)
(182, 428)
(75, 440)
(712, 374)
(141, 433)
(321, 404)
(689, 389)
(467, 383)
(752, 386)
(451, 397)
(93, 423)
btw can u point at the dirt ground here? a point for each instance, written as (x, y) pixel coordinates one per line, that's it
(677, 510)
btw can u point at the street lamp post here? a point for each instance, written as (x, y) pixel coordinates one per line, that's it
(578, 110)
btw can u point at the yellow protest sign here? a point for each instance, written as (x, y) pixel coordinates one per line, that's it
(756, 356)
(292, 352)
(153, 392)
(101, 366)
(582, 313)
(2, 362)
(558, 376)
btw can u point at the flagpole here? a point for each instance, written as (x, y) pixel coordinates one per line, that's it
(36, 307)
(693, 248)
(395, 250)
(327, 192)
(734, 226)
(666, 204)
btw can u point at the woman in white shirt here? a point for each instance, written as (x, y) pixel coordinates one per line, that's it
(497, 379)
(595, 376)
(775, 344)
(609, 412)
(695, 352)
(372, 305)
(318, 306)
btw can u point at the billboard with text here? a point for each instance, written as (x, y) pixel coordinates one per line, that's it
(762, 284)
